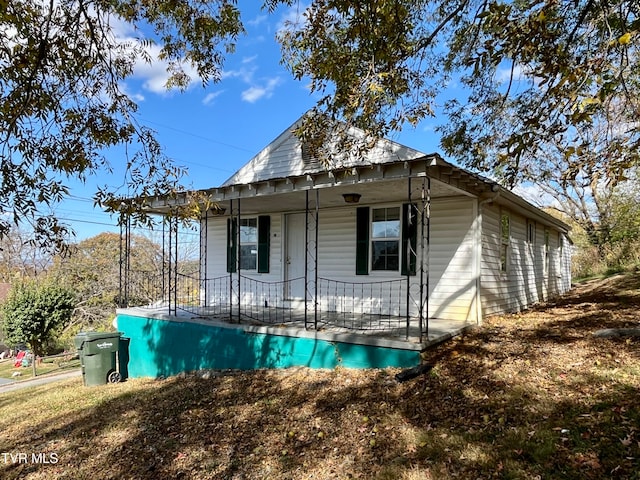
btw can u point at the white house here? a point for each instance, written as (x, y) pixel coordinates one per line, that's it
(398, 242)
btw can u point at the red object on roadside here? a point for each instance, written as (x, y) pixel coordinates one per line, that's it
(19, 357)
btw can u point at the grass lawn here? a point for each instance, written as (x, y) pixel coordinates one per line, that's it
(7, 368)
(527, 396)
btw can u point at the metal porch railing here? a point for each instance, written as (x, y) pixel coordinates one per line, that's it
(363, 305)
(356, 306)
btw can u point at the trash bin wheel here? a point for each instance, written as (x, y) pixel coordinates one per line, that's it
(114, 377)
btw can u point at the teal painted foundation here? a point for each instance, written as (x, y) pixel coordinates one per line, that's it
(164, 347)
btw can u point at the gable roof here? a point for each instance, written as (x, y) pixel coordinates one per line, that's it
(281, 168)
(284, 158)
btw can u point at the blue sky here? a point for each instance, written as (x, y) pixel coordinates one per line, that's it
(213, 131)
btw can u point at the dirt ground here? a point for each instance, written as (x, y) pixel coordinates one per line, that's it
(533, 395)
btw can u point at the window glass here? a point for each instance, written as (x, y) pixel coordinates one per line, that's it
(385, 255)
(248, 257)
(249, 230)
(505, 235)
(248, 243)
(547, 257)
(385, 244)
(505, 228)
(531, 233)
(386, 223)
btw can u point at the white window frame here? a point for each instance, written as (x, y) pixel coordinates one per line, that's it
(243, 244)
(547, 252)
(372, 240)
(505, 243)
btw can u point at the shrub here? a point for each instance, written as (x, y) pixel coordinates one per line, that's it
(34, 313)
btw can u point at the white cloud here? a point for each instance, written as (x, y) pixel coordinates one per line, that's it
(155, 75)
(294, 15)
(258, 89)
(121, 29)
(135, 96)
(257, 92)
(257, 21)
(244, 74)
(505, 74)
(210, 97)
(535, 195)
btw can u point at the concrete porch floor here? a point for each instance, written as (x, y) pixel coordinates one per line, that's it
(391, 332)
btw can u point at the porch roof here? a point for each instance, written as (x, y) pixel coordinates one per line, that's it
(382, 182)
(287, 157)
(278, 178)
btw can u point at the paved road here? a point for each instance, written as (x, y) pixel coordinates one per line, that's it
(32, 382)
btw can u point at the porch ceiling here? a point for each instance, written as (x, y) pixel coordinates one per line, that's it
(390, 191)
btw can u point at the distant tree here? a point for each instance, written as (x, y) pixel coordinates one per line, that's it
(20, 257)
(35, 312)
(92, 269)
(575, 171)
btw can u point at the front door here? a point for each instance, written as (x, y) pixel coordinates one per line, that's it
(295, 251)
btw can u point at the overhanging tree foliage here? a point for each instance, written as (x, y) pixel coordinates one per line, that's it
(534, 73)
(62, 100)
(33, 313)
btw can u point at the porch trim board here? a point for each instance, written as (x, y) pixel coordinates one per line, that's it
(168, 346)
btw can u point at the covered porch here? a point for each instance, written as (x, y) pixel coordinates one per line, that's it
(299, 293)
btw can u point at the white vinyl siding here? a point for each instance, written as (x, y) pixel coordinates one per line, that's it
(216, 262)
(283, 158)
(275, 161)
(216, 254)
(452, 263)
(530, 279)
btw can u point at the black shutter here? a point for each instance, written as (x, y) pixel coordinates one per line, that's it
(362, 241)
(264, 232)
(409, 238)
(232, 244)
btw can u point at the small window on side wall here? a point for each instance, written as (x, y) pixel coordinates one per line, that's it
(531, 232)
(505, 238)
(547, 253)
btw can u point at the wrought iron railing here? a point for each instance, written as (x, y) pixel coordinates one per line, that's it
(205, 298)
(354, 306)
(270, 302)
(364, 305)
(143, 289)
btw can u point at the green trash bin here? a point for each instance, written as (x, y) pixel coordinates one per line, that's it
(97, 351)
